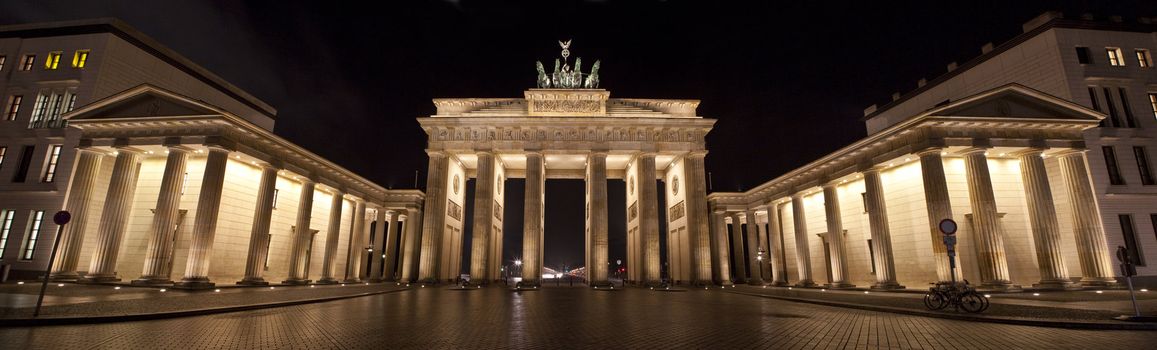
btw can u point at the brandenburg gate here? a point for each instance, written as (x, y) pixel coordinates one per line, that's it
(567, 128)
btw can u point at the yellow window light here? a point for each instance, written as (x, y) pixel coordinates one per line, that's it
(79, 58)
(53, 60)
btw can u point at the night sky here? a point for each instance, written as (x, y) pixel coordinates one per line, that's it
(788, 83)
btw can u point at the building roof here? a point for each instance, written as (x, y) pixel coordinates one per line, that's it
(144, 42)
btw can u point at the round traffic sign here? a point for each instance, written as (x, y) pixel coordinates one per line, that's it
(62, 217)
(948, 226)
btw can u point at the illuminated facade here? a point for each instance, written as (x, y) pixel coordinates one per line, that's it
(173, 175)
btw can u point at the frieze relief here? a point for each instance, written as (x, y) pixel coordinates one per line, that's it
(580, 134)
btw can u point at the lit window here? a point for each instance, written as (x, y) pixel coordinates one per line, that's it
(2, 60)
(69, 101)
(3, 152)
(1153, 103)
(1143, 165)
(1115, 57)
(1143, 58)
(13, 107)
(79, 59)
(5, 228)
(48, 108)
(27, 62)
(53, 158)
(32, 236)
(53, 60)
(1111, 165)
(1083, 55)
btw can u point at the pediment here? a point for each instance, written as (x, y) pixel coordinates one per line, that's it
(1017, 102)
(143, 102)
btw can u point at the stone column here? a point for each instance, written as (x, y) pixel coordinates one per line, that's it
(753, 244)
(410, 248)
(698, 226)
(737, 256)
(722, 259)
(391, 251)
(118, 205)
(166, 214)
(259, 234)
(532, 219)
(985, 221)
(483, 219)
(775, 237)
(803, 255)
(939, 208)
(357, 244)
(836, 238)
(331, 238)
(434, 219)
(649, 218)
(79, 196)
(1042, 215)
(205, 224)
(301, 236)
(597, 184)
(1092, 250)
(379, 240)
(881, 235)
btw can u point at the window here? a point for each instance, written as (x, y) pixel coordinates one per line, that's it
(1114, 118)
(1153, 103)
(13, 107)
(1129, 120)
(275, 193)
(1083, 55)
(1143, 165)
(48, 108)
(25, 161)
(1115, 58)
(2, 60)
(1143, 58)
(79, 58)
(1131, 240)
(3, 151)
(872, 255)
(864, 198)
(5, 228)
(1111, 166)
(53, 60)
(1093, 99)
(27, 62)
(32, 236)
(53, 158)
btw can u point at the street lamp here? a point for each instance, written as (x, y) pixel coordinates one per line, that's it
(759, 258)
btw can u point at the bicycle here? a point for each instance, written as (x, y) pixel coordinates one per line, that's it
(959, 295)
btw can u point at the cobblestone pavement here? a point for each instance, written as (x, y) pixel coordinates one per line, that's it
(563, 318)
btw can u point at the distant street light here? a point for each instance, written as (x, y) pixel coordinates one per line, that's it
(759, 258)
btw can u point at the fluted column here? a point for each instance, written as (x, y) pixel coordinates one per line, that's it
(483, 219)
(698, 226)
(803, 260)
(79, 197)
(737, 254)
(1092, 250)
(986, 227)
(356, 252)
(205, 224)
(332, 233)
(532, 219)
(1042, 214)
(836, 238)
(166, 214)
(118, 204)
(410, 248)
(649, 218)
(939, 208)
(722, 256)
(753, 244)
(597, 184)
(379, 240)
(434, 218)
(391, 250)
(301, 236)
(259, 233)
(775, 238)
(881, 234)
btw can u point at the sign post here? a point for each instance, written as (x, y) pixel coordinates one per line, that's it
(62, 217)
(1128, 270)
(948, 228)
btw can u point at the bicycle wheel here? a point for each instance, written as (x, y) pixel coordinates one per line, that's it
(972, 302)
(935, 301)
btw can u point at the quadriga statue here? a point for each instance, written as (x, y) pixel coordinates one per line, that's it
(592, 81)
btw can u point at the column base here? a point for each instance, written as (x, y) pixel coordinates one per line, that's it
(1099, 282)
(253, 281)
(65, 276)
(352, 280)
(376, 280)
(1004, 286)
(840, 285)
(726, 283)
(327, 280)
(780, 284)
(99, 279)
(296, 282)
(430, 280)
(1057, 285)
(887, 286)
(146, 281)
(195, 283)
(806, 284)
(755, 281)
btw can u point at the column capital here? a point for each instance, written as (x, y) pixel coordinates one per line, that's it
(1037, 151)
(598, 153)
(934, 150)
(484, 151)
(90, 150)
(179, 148)
(1070, 152)
(698, 153)
(973, 150)
(797, 195)
(215, 147)
(128, 149)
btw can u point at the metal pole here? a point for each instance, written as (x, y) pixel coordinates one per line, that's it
(1132, 295)
(48, 270)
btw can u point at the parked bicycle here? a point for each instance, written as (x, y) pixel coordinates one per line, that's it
(959, 295)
